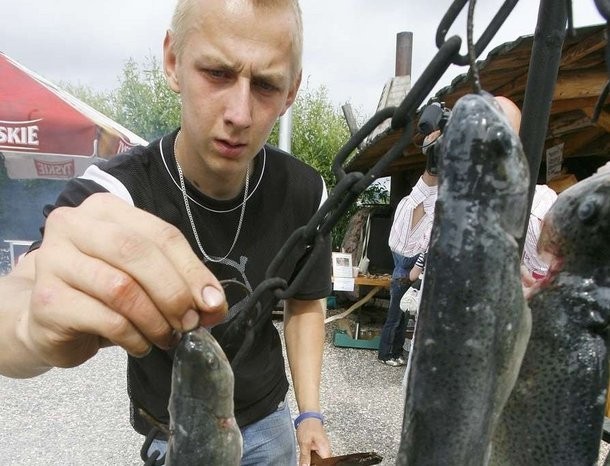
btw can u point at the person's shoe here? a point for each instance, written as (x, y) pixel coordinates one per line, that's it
(401, 360)
(390, 362)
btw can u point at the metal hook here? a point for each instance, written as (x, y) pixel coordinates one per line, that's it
(491, 30)
(153, 459)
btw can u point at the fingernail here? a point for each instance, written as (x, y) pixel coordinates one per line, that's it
(190, 320)
(212, 296)
(142, 355)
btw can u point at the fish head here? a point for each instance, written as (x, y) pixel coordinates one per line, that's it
(202, 371)
(576, 229)
(482, 161)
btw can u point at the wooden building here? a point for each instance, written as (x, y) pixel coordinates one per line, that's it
(580, 81)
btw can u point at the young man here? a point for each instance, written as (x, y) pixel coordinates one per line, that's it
(121, 257)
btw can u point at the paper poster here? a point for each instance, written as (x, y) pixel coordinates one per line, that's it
(342, 265)
(343, 283)
(343, 272)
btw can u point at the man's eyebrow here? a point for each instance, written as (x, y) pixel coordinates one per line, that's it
(212, 58)
(216, 62)
(274, 77)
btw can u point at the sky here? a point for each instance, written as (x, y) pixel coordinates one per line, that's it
(349, 45)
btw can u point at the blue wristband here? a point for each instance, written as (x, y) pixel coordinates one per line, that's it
(307, 415)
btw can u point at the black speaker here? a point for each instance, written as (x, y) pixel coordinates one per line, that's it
(379, 253)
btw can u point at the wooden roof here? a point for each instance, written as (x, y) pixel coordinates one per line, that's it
(581, 79)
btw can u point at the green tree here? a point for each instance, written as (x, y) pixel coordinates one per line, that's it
(144, 102)
(319, 131)
(103, 102)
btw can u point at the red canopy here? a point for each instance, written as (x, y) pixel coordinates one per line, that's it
(47, 133)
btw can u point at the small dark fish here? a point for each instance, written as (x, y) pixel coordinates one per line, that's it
(202, 423)
(473, 322)
(555, 413)
(353, 459)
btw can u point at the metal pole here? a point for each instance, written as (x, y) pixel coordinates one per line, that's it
(399, 185)
(404, 53)
(541, 79)
(350, 119)
(286, 131)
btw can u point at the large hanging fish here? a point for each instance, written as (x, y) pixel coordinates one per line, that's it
(203, 430)
(473, 322)
(555, 413)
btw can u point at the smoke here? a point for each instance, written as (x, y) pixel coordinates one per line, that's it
(21, 204)
(5, 261)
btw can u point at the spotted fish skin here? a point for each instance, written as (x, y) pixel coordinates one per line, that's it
(473, 322)
(203, 430)
(555, 413)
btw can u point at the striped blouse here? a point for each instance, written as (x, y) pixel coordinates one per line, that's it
(406, 239)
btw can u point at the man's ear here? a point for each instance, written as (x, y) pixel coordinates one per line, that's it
(169, 62)
(292, 94)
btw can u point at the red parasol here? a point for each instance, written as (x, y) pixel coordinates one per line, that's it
(47, 133)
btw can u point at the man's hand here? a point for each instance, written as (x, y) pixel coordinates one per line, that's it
(430, 139)
(108, 273)
(311, 436)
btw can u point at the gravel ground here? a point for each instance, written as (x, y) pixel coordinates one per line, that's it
(74, 416)
(80, 416)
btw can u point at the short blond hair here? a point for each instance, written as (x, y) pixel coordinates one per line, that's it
(180, 24)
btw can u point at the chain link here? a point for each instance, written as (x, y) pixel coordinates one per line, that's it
(449, 19)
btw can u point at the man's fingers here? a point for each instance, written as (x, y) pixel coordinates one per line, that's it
(205, 289)
(119, 292)
(133, 270)
(78, 333)
(151, 251)
(176, 248)
(304, 456)
(311, 437)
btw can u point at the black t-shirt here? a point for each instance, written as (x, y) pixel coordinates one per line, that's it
(284, 193)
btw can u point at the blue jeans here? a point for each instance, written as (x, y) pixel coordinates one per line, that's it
(393, 332)
(268, 442)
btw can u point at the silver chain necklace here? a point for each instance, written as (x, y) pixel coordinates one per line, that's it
(190, 215)
(203, 206)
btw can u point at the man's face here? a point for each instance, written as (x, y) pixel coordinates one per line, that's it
(235, 76)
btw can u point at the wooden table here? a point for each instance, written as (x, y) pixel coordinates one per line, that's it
(377, 282)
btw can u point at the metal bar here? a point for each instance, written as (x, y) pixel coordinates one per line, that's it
(350, 119)
(543, 69)
(285, 141)
(404, 53)
(423, 86)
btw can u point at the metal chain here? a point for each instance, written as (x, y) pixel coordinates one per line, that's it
(603, 6)
(309, 239)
